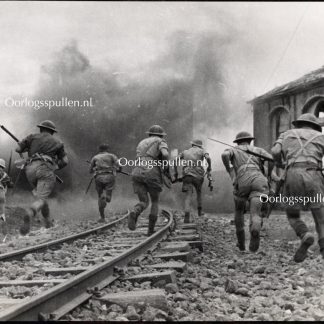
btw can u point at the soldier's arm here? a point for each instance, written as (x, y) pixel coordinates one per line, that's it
(117, 164)
(92, 165)
(62, 158)
(24, 144)
(180, 156)
(207, 157)
(270, 164)
(276, 149)
(226, 158)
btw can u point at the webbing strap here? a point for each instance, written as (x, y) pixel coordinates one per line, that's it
(145, 152)
(302, 145)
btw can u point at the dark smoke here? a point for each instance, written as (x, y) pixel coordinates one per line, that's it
(182, 90)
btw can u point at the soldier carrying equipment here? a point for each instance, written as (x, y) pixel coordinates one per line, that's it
(104, 165)
(45, 155)
(302, 149)
(5, 182)
(148, 181)
(193, 174)
(249, 183)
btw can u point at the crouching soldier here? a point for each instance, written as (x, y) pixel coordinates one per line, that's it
(193, 174)
(147, 176)
(250, 184)
(45, 155)
(105, 166)
(5, 182)
(302, 149)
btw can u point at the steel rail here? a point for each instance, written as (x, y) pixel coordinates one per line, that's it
(57, 301)
(18, 254)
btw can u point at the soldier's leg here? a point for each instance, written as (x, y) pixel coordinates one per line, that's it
(154, 195)
(239, 223)
(2, 204)
(318, 215)
(199, 198)
(301, 230)
(101, 200)
(255, 223)
(187, 203)
(187, 189)
(3, 223)
(142, 193)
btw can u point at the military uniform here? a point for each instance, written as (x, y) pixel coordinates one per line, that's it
(302, 149)
(45, 155)
(105, 166)
(303, 177)
(147, 177)
(193, 174)
(4, 183)
(249, 183)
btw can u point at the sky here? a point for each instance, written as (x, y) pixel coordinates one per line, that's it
(131, 36)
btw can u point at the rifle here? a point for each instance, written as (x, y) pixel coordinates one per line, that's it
(246, 151)
(89, 185)
(17, 140)
(210, 181)
(9, 164)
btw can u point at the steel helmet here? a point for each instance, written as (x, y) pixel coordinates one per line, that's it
(156, 130)
(197, 142)
(47, 124)
(104, 147)
(309, 119)
(2, 163)
(243, 136)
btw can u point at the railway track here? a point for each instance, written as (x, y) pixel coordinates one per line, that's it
(73, 269)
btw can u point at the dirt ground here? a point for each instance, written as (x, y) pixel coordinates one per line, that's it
(226, 284)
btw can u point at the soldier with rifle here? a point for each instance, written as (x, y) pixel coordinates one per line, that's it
(193, 174)
(5, 182)
(104, 165)
(147, 178)
(45, 155)
(302, 148)
(250, 182)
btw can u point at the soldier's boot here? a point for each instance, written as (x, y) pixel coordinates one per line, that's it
(46, 215)
(132, 220)
(102, 215)
(200, 212)
(240, 240)
(187, 218)
(152, 221)
(255, 237)
(321, 246)
(28, 214)
(306, 242)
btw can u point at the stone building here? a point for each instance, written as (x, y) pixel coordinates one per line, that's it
(274, 111)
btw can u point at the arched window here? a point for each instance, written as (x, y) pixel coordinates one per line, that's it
(279, 121)
(315, 105)
(319, 111)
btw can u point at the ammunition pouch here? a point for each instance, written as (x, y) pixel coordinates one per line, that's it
(106, 171)
(40, 157)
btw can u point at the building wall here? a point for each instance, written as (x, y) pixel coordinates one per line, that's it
(289, 107)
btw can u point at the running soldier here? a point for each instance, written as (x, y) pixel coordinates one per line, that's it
(193, 174)
(302, 149)
(249, 183)
(5, 182)
(104, 165)
(147, 177)
(45, 155)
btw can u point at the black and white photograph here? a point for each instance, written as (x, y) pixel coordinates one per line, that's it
(161, 161)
